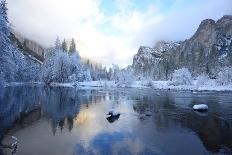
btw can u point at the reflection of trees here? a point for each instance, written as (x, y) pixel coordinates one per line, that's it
(19, 106)
(214, 131)
(61, 105)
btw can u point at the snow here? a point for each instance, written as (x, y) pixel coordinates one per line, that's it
(162, 85)
(182, 77)
(54, 84)
(14, 138)
(113, 112)
(200, 107)
(64, 67)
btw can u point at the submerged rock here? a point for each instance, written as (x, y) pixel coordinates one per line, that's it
(200, 107)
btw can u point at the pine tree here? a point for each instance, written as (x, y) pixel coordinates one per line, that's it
(64, 46)
(110, 74)
(88, 62)
(57, 44)
(72, 48)
(3, 9)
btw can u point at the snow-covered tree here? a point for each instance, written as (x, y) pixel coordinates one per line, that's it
(124, 78)
(72, 48)
(64, 46)
(15, 66)
(225, 76)
(62, 67)
(109, 73)
(97, 71)
(182, 77)
(8, 68)
(115, 71)
(55, 68)
(202, 80)
(3, 9)
(57, 44)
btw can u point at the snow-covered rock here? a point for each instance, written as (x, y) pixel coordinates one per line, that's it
(200, 107)
(113, 112)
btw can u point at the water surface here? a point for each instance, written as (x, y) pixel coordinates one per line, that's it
(67, 121)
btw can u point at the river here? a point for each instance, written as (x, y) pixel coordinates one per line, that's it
(69, 121)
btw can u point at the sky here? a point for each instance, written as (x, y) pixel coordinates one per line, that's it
(111, 31)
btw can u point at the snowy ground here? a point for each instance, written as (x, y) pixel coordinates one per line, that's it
(146, 84)
(165, 85)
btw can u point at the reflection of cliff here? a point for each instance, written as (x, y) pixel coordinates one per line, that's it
(214, 132)
(26, 119)
(61, 106)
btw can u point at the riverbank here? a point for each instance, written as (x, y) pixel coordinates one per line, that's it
(162, 85)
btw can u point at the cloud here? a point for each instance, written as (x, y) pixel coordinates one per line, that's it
(115, 37)
(41, 19)
(181, 24)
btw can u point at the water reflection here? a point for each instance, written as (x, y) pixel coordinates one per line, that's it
(74, 121)
(112, 119)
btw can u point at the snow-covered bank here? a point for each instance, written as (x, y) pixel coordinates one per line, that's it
(146, 84)
(21, 84)
(162, 85)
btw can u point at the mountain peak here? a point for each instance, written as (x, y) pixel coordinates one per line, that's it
(225, 18)
(205, 30)
(205, 52)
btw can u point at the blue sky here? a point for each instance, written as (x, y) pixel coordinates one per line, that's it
(111, 31)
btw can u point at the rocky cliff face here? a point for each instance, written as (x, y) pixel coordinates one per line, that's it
(28, 46)
(209, 49)
(146, 62)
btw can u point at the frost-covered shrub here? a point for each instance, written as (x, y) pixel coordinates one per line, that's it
(202, 80)
(124, 78)
(225, 76)
(181, 77)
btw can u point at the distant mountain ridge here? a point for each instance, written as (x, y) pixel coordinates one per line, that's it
(209, 49)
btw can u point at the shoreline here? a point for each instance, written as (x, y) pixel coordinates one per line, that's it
(156, 85)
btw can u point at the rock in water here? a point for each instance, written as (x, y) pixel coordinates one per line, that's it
(112, 119)
(114, 115)
(200, 107)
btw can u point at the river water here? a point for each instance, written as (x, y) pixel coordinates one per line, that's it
(68, 121)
